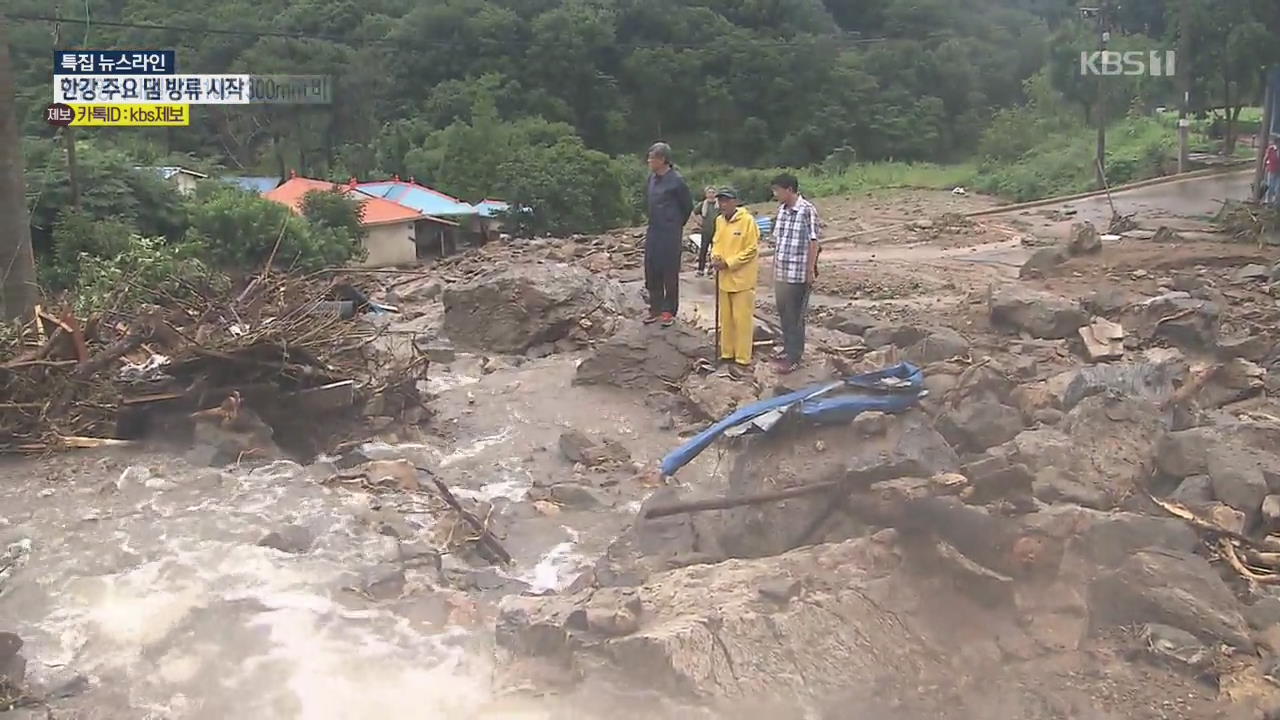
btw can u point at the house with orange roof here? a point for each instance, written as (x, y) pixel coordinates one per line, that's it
(395, 234)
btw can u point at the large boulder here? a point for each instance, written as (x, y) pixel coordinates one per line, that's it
(892, 446)
(851, 320)
(1039, 314)
(521, 306)
(974, 426)
(726, 632)
(644, 357)
(1176, 589)
(1185, 453)
(1188, 322)
(908, 447)
(1102, 447)
(938, 345)
(1155, 379)
(1042, 262)
(1084, 239)
(1238, 481)
(13, 666)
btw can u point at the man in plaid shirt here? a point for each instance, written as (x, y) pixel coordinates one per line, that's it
(795, 265)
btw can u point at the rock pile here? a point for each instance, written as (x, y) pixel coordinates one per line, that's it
(1034, 503)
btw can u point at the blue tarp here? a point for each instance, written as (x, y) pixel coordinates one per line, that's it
(765, 223)
(891, 390)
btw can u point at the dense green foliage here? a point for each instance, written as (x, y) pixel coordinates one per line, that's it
(742, 82)
(131, 217)
(153, 270)
(239, 229)
(550, 104)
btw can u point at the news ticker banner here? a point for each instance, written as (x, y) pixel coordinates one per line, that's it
(86, 82)
(192, 89)
(115, 62)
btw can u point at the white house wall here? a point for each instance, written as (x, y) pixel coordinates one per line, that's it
(389, 245)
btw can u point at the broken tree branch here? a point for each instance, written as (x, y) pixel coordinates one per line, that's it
(487, 540)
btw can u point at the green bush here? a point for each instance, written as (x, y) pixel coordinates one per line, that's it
(239, 229)
(1063, 163)
(593, 201)
(109, 187)
(149, 270)
(77, 235)
(335, 211)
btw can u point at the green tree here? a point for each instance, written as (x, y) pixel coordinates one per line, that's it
(569, 187)
(335, 210)
(240, 230)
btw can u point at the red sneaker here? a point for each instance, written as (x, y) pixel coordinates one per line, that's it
(650, 319)
(668, 319)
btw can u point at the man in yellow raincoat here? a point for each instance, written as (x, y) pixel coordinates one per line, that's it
(733, 255)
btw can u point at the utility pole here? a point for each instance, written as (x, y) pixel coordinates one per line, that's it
(18, 290)
(1104, 35)
(1183, 58)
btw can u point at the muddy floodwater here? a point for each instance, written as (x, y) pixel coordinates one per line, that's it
(139, 586)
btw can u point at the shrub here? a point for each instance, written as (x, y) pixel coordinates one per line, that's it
(239, 230)
(539, 177)
(149, 270)
(76, 234)
(336, 211)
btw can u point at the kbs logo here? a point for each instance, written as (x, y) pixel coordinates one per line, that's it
(1155, 63)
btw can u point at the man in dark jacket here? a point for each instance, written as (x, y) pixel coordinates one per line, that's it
(670, 205)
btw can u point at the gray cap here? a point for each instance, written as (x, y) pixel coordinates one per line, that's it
(727, 192)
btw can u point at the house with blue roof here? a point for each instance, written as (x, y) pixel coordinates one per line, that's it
(421, 198)
(493, 215)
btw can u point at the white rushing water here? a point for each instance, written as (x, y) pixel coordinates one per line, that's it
(163, 600)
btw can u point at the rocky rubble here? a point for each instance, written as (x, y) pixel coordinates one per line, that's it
(1020, 487)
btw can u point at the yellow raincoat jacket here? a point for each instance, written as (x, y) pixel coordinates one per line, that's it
(737, 242)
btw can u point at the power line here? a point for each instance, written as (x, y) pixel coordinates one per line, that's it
(849, 38)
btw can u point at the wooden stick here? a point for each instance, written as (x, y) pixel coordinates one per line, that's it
(724, 503)
(116, 350)
(1229, 553)
(487, 540)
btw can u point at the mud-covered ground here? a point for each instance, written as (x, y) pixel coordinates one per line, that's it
(142, 589)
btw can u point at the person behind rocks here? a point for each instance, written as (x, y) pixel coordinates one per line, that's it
(1271, 162)
(795, 259)
(734, 259)
(670, 206)
(707, 212)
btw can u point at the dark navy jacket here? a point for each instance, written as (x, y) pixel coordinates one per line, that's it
(670, 206)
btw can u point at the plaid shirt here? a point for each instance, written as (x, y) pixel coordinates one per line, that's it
(793, 230)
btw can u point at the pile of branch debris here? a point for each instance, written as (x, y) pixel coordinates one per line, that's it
(289, 350)
(1251, 223)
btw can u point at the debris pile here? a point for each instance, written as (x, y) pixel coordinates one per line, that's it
(1250, 223)
(282, 348)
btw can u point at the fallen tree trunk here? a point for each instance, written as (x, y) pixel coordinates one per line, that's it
(839, 488)
(724, 503)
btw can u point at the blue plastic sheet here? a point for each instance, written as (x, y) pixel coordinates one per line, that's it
(892, 390)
